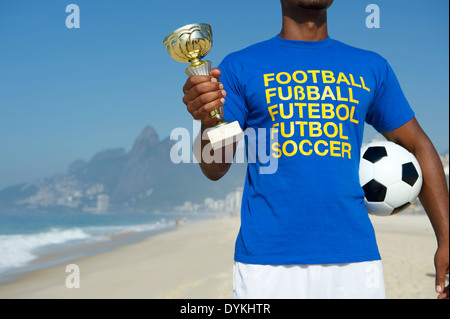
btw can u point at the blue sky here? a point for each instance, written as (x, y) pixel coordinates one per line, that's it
(67, 93)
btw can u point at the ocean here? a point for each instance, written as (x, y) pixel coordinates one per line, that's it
(36, 240)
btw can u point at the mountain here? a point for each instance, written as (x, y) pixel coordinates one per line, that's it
(142, 180)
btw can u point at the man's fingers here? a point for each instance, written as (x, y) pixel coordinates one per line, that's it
(204, 100)
(440, 280)
(193, 80)
(203, 113)
(215, 73)
(201, 89)
(441, 264)
(445, 294)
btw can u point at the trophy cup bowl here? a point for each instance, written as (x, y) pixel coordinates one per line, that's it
(189, 44)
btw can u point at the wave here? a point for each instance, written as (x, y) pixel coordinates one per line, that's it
(18, 250)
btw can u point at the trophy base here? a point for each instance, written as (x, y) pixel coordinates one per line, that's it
(224, 134)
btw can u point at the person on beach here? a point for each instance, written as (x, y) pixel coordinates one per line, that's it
(305, 232)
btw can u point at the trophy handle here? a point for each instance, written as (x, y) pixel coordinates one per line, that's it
(204, 69)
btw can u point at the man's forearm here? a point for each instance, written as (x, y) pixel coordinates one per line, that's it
(434, 195)
(214, 164)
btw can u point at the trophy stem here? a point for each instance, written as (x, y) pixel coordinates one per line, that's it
(217, 115)
(202, 69)
(195, 62)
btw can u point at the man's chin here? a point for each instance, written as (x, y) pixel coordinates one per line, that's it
(313, 4)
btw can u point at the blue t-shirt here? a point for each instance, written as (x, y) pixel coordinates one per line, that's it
(311, 99)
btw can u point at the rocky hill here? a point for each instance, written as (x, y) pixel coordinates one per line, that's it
(142, 180)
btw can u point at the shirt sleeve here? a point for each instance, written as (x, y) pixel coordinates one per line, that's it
(235, 107)
(389, 109)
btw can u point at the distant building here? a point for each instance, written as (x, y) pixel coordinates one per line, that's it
(102, 203)
(233, 200)
(230, 204)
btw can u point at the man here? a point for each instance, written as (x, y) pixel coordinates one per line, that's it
(305, 232)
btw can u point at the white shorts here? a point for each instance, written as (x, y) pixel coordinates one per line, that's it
(363, 280)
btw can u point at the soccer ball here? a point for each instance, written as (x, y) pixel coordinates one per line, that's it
(390, 176)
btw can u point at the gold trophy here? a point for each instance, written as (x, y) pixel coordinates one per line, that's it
(189, 44)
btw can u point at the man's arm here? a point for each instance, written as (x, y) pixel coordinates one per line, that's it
(216, 169)
(434, 194)
(203, 94)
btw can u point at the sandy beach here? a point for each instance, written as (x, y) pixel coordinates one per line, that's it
(196, 261)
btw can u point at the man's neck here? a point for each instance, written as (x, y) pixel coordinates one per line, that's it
(304, 25)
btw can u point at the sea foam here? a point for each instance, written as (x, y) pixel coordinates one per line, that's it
(17, 250)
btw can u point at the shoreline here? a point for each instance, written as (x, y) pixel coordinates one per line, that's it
(117, 273)
(67, 252)
(196, 261)
(59, 253)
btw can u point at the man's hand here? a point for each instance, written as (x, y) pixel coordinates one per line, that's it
(441, 260)
(203, 94)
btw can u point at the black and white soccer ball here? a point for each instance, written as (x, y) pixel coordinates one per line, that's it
(390, 176)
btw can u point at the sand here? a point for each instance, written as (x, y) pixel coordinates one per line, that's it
(407, 246)
(196, 261)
